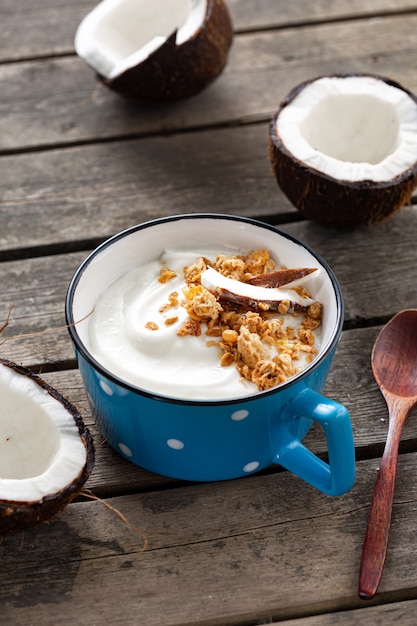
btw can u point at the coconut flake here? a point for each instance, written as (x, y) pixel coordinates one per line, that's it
(212, 280)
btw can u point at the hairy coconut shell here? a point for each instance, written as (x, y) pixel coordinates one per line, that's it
(174, 72)
(16, 516)
(329, 201)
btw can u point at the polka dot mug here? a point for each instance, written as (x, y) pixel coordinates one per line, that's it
(206, 440)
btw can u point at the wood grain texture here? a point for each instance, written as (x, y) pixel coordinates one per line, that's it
(91, 192)
(404, 612)
(57, 101)
(261, 558)
(278, 14)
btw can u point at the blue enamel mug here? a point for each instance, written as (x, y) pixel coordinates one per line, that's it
(216, 439)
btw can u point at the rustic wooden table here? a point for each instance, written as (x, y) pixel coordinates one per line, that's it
(77, 164)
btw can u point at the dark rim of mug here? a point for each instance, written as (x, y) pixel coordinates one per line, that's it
(81, 348)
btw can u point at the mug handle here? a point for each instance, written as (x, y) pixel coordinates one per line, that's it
(337, 476)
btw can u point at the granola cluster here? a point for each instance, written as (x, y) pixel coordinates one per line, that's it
(266, 348)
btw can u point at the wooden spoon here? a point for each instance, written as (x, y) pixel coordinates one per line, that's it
(394, 364)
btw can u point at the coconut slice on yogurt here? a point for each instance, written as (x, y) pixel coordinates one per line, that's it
(253, 296)
(46, 452)
(164, 50)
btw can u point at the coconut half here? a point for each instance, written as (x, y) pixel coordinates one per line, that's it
(46, 452)
(343, 148)
(164, 50)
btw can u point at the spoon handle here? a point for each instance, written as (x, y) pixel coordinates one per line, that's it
(379, 520)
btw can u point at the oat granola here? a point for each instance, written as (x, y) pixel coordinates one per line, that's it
(265, 349)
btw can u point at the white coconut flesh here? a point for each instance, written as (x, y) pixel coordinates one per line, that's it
(41, 451)
(119, 34)
(351, 128)
(212, 280)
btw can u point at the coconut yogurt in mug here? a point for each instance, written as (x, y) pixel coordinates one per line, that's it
(192, 375)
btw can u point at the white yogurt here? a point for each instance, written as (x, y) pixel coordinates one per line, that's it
(159, 360)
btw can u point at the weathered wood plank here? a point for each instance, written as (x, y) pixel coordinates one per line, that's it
(58, 101)
(262, 559)
(374, 264)
(392, 613)
(91, 192)
(47, 27)
(277, 14)
(40, 27)
(95, 191)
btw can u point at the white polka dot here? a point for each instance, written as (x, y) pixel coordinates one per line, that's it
(105, 387)
(251, 467)
(237, 416)
(127, 451)
(175, 444)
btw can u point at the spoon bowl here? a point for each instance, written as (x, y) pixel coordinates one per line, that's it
(394, 365)
(394, 356)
